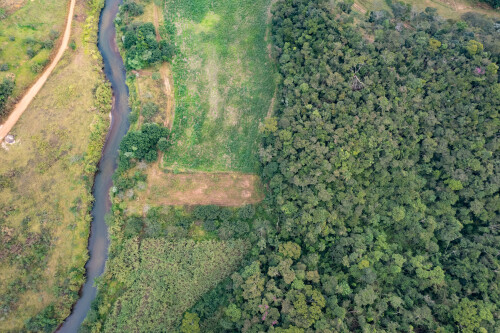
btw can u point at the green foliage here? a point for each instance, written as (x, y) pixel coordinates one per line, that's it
(102, 97)
(492, 3)
(149, 111)
(190, 323)
(131, 8)
(224, 83)
(142, 48)
(164, 279)
(474, 47)
(141, 145)
(45, 321)
(6, 88)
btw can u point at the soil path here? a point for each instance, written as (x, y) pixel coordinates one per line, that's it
(156, 23)
(359, 8)
(166, 75)
(33, 91)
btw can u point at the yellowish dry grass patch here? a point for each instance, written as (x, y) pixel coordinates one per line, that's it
(199, 188)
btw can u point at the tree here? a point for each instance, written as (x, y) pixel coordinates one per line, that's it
(190, 323)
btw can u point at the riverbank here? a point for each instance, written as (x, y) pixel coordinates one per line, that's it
(46, 178)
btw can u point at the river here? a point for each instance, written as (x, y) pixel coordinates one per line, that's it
(98, 241)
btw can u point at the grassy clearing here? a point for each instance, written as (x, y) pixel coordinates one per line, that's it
(45, 182)
(453, 9)
(27, 38)
(223, 83)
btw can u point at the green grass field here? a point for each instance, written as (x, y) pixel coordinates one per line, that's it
(27, 38)
(223, 82)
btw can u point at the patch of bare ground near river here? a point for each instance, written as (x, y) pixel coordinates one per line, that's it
(231, 189)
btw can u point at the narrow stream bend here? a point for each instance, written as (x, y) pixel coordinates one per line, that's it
(98, 241)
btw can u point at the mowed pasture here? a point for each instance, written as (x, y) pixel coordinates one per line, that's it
(28, 37)
(224, 83)
(45, 179)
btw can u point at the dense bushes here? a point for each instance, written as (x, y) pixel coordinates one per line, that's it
(142, 48)
(6, 88)
(141, 145)
(492, 3)
(164, 279)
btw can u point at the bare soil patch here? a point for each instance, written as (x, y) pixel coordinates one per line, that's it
(12, 5)
(168, 82)
(359, 8)
(199, 188)
(33, 91)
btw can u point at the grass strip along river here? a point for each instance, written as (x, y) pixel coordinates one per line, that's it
(98, 241)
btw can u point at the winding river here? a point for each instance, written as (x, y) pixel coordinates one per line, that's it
(98, 241)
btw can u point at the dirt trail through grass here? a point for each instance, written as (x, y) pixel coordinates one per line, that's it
(270, 54)
(33, 91)
(156, 23)
(166, 75)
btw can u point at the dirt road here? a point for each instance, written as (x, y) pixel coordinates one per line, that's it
(28, 97)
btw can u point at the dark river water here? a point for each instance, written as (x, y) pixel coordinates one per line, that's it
(98, 241)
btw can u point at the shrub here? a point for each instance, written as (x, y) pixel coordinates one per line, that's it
(45, 321)
(6, 88)
(164, 144)
(36, 67)
(149, 111)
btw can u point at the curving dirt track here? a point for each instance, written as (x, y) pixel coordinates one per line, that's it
(33, 91)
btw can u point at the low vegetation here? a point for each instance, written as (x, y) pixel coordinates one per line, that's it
(160, 280)
(46, 178)
(27, 38)
(448, 9)
(223, 83)
(170, 244)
